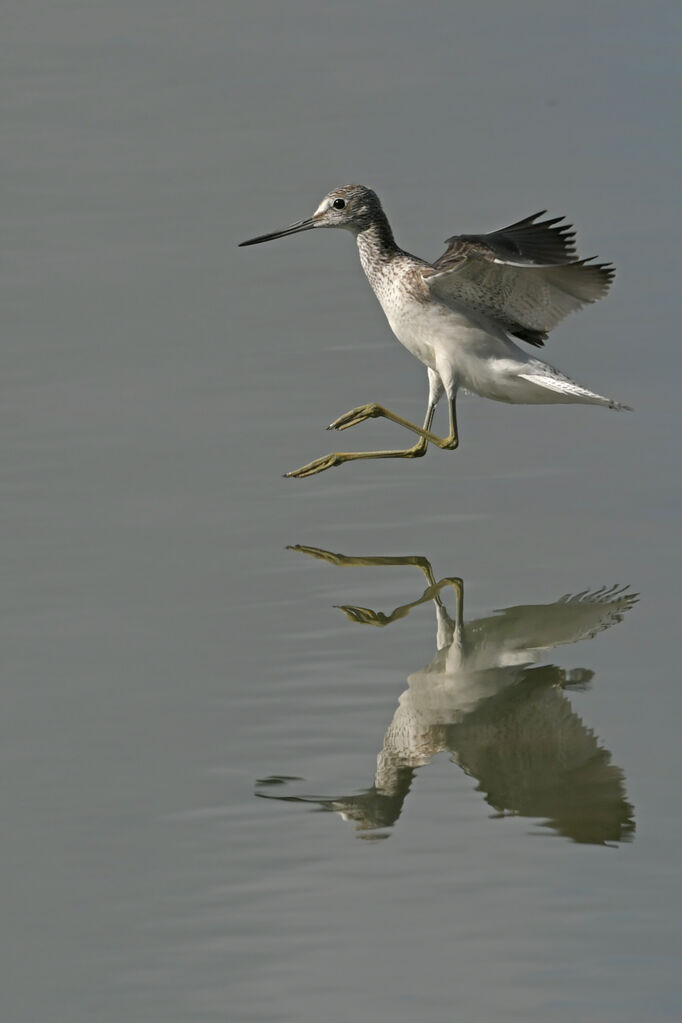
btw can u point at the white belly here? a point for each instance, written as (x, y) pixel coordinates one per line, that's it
(429, 331)
(455, 345)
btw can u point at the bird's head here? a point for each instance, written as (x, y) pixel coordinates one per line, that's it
(351, 206)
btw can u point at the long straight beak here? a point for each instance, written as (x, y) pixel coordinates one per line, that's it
(301, 225)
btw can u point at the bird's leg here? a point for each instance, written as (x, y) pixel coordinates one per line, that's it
(416, 451)
(366, 616)
(372, 561)
(374, 411)
(339, 457)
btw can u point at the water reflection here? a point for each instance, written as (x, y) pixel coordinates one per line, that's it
(505, 722)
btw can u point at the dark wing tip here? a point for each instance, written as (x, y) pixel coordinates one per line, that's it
(530, 241)
(536, 338)
(530, 220)
(608, 269)
(605, 272)
(582, 279)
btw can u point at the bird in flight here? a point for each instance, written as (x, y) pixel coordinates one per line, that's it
(463, 315)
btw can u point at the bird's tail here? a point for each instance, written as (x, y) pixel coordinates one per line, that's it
(566, 390)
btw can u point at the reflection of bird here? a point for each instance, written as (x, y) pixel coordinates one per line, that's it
(462, 315)
(505, 722)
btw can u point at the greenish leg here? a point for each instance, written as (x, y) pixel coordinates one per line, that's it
(373, 411)
(366, 616)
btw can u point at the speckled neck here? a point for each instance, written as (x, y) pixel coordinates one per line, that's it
(376, 245)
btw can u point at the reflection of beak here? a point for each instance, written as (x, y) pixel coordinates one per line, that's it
(301, 225)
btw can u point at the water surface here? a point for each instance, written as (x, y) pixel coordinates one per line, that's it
(169, 662)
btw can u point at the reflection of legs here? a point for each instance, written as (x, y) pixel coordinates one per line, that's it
(346, 560)
(373, 411)
(366, 616)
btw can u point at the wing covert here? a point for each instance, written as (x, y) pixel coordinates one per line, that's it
(526, 276)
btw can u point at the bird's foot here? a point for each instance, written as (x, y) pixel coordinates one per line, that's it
(356, 415)
(319, 552)
(363, 615)
(318, 465)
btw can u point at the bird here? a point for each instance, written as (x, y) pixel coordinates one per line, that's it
(504, 717)
(463, 315)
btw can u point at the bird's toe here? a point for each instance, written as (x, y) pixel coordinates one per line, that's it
(312, 468)
(356, 416)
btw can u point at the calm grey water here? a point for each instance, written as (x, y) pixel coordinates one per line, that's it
(191, 726)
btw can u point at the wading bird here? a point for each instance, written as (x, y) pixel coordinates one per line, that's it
(461, 315)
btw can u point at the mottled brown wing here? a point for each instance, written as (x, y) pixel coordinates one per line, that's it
(525, 276)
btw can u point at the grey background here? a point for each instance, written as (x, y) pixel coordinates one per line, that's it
(163, 651)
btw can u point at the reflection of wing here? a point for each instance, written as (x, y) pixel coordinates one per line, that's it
(533, 757)
(541, 626)
(525, 276)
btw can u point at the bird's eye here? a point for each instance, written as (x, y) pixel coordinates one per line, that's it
(339, 204)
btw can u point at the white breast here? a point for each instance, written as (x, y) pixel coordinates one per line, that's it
(417, 326)
(440, 336)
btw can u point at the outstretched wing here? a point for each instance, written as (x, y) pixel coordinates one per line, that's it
(525, 276)
(572, 618)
